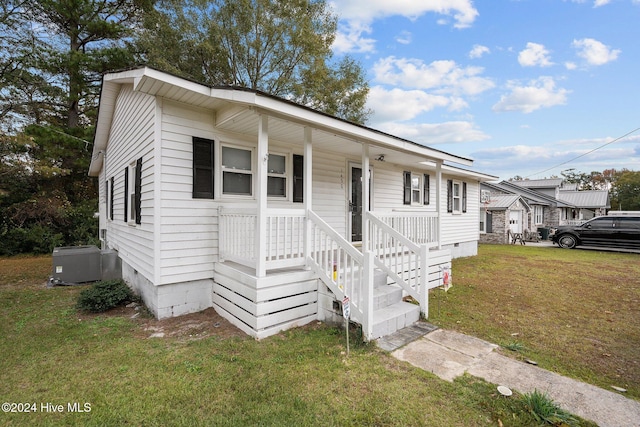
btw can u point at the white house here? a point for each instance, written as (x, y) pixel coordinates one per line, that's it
(234, 199)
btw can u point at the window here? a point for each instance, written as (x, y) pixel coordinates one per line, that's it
(456, 196)
(277, 176)
(416, 188)
(237, 175)
(126, 194)
(135, 192)
(298, 178)
(203, 169)
(538, 216)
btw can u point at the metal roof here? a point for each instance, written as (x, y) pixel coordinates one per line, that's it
(540, 183)
(501, 202)
(587, 198)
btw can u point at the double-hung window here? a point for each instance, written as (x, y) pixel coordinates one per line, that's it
(416, 189)
(538, 214)
(277, 175)
(456, 196)
(237, 172)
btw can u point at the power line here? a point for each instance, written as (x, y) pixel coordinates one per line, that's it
(585, 154)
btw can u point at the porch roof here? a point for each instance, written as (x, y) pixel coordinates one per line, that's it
(237, 110)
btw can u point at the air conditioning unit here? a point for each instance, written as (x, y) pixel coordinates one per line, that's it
(76, 264)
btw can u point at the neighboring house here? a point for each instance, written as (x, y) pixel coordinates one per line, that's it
(552, 202)
(501, 216)
(234, 199)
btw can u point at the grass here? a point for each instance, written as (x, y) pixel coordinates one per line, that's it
(51, 354)
(575, 312)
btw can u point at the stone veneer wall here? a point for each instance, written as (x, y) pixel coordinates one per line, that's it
(498, 227)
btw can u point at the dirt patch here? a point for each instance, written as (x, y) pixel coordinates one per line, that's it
(194, 326)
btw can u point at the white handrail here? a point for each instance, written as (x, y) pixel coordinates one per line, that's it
(344, 270)
(400, 258)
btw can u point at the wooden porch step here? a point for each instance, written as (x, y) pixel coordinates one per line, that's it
(394, 317)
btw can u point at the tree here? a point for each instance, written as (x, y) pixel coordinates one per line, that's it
(625, 191)
(84, 39)
(587, 181)
(281, 47)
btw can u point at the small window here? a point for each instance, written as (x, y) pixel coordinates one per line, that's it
(416, 189)
(538, 213)
(237, 175)
(277, 176)
(456, 196)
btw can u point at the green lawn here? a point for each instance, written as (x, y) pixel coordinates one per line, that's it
(575, 312)
(49, 354)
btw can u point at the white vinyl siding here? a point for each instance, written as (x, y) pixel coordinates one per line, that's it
(463, 227)
(189, 227)
(128, 141)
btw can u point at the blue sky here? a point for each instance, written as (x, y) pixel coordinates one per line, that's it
(520, 86)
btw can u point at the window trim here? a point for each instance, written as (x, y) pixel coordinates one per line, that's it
(452, 198)
(408, 190)
(286, 175)
(223, 169)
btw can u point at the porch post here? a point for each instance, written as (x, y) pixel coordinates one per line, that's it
(365, 197)
(439, 200)
(307, 191)
(261, 195)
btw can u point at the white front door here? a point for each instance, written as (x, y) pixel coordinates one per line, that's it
(515, 221)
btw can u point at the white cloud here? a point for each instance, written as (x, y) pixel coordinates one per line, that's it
(570, 65)
(478, 50)
(442, 77)
(535, 54)
(401, 105)
(436, 133)
(595, 52)
(351, 39)
(404, 37)
(599, 3)
(539, 93)
(462, 11)
(356, 17)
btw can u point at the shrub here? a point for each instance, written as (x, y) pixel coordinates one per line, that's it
(103, 296)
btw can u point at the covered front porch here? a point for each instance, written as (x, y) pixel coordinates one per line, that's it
(282, 265)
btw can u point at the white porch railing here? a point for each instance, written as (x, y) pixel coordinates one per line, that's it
(419, 227)
(285, 239)
(344, 269)
(398, 256)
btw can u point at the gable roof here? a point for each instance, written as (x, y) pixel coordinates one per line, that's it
(502, 202)
(587, 198)
(531, 196)
(237, 110)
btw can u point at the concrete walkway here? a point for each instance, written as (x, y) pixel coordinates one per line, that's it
(450, 354)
